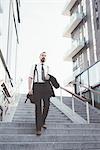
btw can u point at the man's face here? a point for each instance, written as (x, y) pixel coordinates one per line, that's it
(43, 57)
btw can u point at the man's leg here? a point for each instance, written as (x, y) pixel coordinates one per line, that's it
(38, 115)
(46, 104)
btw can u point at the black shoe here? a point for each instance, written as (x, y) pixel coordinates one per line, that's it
(38, 133)
(44, 126)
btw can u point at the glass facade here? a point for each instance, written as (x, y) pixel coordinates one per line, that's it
(94, 74)
(90, 77)
(97, 97)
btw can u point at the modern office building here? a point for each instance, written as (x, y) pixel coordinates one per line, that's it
(9, 40)
(84, 31)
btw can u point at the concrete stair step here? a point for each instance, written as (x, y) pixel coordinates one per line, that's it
(49, 145)
(48, 138)
(33, 115)
(33, 110)
(33, 121)
(53, 119)
(50, 124)
(47, 120)
(55, 131)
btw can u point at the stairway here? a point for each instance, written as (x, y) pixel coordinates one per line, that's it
(61, 134)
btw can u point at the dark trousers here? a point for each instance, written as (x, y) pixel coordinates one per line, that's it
(42, 93)
(41, 111)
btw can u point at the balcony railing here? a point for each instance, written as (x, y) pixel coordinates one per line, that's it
(74, 21)
(77, 45)
(68, 6)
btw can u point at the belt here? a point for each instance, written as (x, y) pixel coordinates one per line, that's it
(39, 82)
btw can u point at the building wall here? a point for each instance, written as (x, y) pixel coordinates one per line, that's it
(96, 10)
(90, 75)
(9, 40)
(90, 53)
(86, 63)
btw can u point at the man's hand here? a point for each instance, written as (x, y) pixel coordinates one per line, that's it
(47, 77)
(30, 92)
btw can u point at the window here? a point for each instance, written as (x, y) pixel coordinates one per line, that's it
(96, 96)
(84, 78)
(84, 6)
(88, 56)
(1, 6)
(85, 30)
(80, 59)
(97, 14)
(78, 79)
(94, 74)
(81, 34)
(75, 64)
(78, 63)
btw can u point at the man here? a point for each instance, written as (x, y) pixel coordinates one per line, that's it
(42, 90)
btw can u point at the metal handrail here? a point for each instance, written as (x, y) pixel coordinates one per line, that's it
(5, 67)
(74, 94)
(5, 96)
(85, 86)
(88, 88)
(78, 97)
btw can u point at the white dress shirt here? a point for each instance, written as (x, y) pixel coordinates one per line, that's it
(38, 72)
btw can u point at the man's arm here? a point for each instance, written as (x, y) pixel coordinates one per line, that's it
(47, 75)
(30, 80)
(30, 85)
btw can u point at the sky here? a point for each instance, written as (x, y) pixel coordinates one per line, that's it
(41, 29)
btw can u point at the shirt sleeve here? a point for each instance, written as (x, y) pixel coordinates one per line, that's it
(49, 70)
(31, 74)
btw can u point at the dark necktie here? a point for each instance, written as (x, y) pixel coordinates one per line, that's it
(43, 75)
